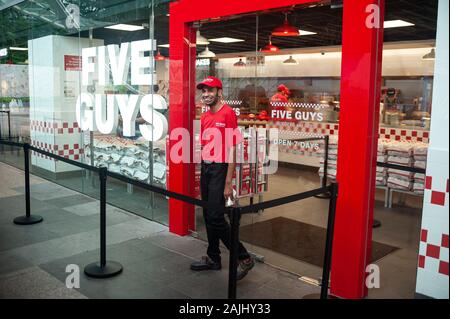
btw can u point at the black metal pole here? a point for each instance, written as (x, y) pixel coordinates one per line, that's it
(104, 269)
(325, 163)
(9, 125)
(325, 169)
(28, 219)
(102, 177)
(234, 244)
(329, 242)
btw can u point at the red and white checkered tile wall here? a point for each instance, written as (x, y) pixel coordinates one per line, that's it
(43, 132)
(397, 134)
(433, 254)
(433, 257)
(54, 127)
(70, 151)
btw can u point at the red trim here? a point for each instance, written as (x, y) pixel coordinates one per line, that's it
(358, 129)
(433, 251)
(438, 198)
(421, 261)
(444, 241)
(443, 267)
(428, 182)
(424, 235)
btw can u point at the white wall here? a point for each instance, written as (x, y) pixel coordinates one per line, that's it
(433, 259)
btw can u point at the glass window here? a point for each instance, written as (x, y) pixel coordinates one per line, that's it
(88, 80)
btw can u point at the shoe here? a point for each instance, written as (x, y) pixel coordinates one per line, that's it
(206, 264)
(244, 267)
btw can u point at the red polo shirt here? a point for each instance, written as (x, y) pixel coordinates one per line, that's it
(218, 132)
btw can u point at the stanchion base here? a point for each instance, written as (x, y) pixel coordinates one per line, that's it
(24, 220)
(326, 195)
(376, 223)
(111, 269)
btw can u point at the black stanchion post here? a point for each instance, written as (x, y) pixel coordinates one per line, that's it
(325, 169)
(104, 269)
(235, 216)
(28, 219)
(329, 242)
(325, 163)
(9, 125)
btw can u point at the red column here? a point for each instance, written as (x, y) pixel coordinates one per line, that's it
(358, 137)
(181, 115)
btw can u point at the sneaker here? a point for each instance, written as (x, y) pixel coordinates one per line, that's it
(206, 264)
(244, 267)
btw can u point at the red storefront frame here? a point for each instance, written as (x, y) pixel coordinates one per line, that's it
(358, 135)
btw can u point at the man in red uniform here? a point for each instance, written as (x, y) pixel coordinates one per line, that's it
(282, 94)
(218, 136)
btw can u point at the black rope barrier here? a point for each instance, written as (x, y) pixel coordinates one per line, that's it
(402, 168)
(105, 269)
(283, 200)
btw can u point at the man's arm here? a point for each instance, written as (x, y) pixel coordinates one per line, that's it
(228, 191)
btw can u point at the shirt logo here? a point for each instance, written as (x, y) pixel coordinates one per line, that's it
(219, 124)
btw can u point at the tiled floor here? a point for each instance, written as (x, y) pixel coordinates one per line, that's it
(33, 259)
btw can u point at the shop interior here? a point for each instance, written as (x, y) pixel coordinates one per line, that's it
(253, 61)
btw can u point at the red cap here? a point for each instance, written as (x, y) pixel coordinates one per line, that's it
(284, 88)
(210, 81)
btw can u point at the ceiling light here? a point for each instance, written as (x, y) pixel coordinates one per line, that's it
(396, 24)
(159, 57)
(226, 40)
(430, 55)
(206, 53)
(304, 32)
(270, 48)
(18, 49)
(125, 27)
(290, 61)
(240, 63)
(286, 30)
(164, 45)
(201, 40)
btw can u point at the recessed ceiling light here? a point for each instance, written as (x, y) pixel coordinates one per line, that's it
(164, 45)
(396, 24)
(125, 27)
(226, 40)
(18, 49)
(304, 32)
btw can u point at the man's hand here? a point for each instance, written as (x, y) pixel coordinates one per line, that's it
(228, 191)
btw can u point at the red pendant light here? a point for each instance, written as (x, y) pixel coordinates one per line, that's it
(159, 57)
(286, 30)
(270, 48)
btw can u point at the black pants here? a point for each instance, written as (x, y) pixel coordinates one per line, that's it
(217, 228)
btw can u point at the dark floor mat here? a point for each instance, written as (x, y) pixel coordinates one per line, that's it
(301, 241)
